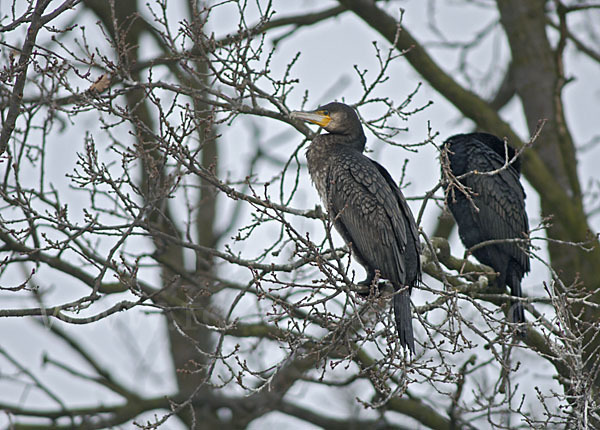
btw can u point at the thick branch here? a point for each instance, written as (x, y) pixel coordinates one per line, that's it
(333, 423)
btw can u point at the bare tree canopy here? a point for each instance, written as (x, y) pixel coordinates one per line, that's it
(166, 263)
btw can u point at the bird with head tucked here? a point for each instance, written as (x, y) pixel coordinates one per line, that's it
(491, 207)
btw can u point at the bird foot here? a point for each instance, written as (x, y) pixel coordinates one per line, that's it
(368, 288)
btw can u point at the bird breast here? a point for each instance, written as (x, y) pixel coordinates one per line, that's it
(319, 178)
(318, 168)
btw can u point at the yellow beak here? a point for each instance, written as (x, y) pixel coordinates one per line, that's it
(316, 117)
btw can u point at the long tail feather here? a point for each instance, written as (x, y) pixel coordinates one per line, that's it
(517, 312)
(404, 320)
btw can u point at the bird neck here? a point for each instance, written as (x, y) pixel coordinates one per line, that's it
(355, 139)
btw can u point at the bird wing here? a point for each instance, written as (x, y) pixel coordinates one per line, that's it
(500, 199)
(363, 203)
(413, 234)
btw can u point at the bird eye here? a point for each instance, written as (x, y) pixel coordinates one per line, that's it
(326, 112)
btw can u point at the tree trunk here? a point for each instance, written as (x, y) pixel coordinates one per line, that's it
(188, 336)
(538, 80)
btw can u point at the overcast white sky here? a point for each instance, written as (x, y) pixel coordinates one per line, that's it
(325, 69)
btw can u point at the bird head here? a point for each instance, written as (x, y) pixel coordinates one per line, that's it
(336, 118)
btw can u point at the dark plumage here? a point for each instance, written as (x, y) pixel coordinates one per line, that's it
(366, 206)
(500, 201)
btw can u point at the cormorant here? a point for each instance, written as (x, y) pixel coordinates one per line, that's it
(366, 206)
(494, 209)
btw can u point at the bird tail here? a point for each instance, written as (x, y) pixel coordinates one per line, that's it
(517, 313)
(403, 318)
